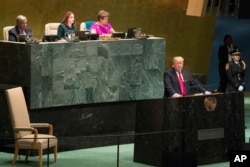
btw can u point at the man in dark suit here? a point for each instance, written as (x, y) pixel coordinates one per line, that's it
(178, 81)
(236, 73)
(224, 57)
(20, 28)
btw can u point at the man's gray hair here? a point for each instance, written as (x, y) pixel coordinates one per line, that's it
(20, 18)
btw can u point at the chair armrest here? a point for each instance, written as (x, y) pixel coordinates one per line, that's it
(24, 129)
(43, 125)
(39, 125)
(34, 130)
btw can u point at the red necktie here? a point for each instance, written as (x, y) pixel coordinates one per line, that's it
(183, 91)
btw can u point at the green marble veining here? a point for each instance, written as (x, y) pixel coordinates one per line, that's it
(59, 74)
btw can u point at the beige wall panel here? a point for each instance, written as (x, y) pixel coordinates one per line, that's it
(196, 8)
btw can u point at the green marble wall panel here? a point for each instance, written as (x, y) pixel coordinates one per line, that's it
(91, 71)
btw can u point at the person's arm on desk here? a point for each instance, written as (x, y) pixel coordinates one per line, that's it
(60, 31)
(176, 95)
(200, 87)
(208, 93)
(12, 37)
(93, 29)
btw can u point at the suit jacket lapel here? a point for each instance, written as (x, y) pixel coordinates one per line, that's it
(184, 76)
(174, 74)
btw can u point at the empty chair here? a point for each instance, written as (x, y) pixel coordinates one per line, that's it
(85, 26)
(6, 32)
(26, 133)
(51, 28)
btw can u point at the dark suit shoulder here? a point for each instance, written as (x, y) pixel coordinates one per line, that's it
(14, 30)
(168, 70)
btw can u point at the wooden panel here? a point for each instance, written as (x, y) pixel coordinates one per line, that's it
(196, 8)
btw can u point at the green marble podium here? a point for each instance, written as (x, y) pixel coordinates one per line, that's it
(209, 126)
(71, 73)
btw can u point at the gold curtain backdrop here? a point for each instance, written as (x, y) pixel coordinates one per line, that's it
(188, 36)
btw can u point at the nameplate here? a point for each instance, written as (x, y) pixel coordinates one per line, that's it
(207, 134)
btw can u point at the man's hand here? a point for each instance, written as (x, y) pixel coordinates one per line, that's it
(176, 95)
(240, 88)
(208, 93)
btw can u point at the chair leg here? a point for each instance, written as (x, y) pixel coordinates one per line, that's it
(16, 152)
(55, 153)
(40, 153)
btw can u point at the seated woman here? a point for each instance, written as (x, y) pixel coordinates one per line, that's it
(68, 24)
(102, 26)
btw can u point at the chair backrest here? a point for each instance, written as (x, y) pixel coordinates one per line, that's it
(51, 28)
(86, 25)
(18, 110)
(6, 32)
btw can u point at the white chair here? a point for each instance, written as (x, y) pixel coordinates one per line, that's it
(26, 134)
(6, 32)
(86, 25)
(51, 28)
